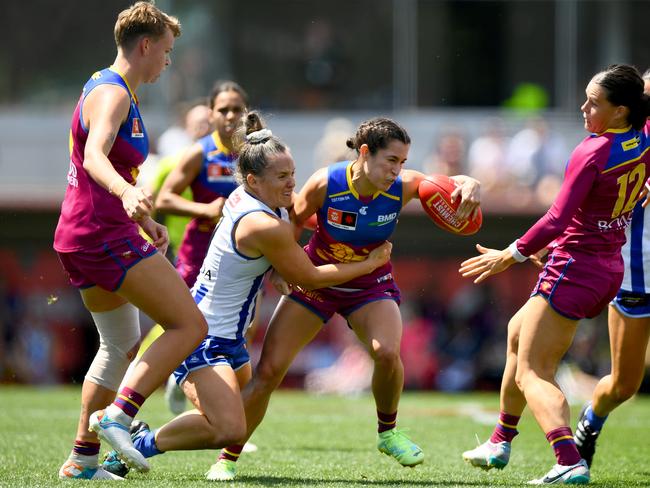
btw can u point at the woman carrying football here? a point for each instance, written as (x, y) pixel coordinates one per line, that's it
(357, 205)
(583, 273)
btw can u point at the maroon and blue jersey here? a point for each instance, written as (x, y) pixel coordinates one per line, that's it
(90, 215)
(216, 179)
(603, 179)
(350, 226)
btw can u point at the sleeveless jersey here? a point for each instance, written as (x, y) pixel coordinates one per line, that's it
(216, 179)
(602, 182)
(90, 215)
(228, 283)
(350, 226)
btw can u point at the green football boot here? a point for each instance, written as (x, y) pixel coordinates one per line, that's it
(396, 443)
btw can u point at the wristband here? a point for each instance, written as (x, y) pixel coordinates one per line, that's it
(516, 255)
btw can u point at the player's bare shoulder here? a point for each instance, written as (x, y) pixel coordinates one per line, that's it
(410, 181)
(317, 183)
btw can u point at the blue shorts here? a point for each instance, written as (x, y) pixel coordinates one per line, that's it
(631, 304)
(214, 351)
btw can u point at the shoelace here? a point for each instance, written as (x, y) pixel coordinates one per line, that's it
(402, 440)
(478, 441)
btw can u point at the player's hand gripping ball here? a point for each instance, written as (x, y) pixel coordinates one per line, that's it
(435, 196)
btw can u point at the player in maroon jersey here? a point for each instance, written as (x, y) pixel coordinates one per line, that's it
(98, 242)
(586, 226)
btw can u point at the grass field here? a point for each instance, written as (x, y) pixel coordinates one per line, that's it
(324, 442)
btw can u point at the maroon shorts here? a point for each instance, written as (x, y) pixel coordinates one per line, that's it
(105, 266)
(578, 286)
(325, 302)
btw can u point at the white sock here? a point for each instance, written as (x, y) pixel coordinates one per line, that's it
(116, 413)
(85, 461)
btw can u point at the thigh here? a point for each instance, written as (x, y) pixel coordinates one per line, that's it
(244, 375)
(155, 287)
(544, 338)
(97, 300)
(214, 391)
(291, 328)
(377, 323)
(628, 339)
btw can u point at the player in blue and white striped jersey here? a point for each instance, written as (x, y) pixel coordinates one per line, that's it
(253, 236)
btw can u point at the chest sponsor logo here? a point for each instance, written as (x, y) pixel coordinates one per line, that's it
(136, 128)
(341, 199)
(384, 219)
(217, 172)
(341, 219)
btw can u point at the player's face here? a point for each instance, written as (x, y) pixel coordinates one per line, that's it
(598, 113)
(275, 186)
(158, 55)
(228, 109)
(383, 167)
(646, 87)
(198, 122)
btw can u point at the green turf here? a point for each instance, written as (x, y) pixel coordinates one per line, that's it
(324, 442)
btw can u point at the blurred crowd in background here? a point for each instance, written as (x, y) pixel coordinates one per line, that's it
(491, 89)
(454, 331)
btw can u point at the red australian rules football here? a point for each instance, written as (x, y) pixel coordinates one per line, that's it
(435, 196)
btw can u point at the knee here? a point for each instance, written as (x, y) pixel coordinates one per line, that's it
(387, 355)
(195, 328)
(226, 433)
(523, 376)
(268, 376)
(200, 327)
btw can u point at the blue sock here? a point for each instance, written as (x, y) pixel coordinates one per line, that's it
(146, 444)
(594, 420)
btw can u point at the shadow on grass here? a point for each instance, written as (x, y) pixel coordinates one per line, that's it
(286, 481)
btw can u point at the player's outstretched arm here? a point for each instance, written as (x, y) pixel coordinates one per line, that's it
(261, 234)
(488, 263)
(468, 189)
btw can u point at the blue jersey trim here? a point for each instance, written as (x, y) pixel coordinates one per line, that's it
(243, 313)
(636, 249)
(199, 295)
(234, 228)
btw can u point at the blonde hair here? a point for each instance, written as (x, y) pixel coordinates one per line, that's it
(143, 19)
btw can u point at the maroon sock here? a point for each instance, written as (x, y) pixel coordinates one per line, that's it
(129, 401)
(506, 428)
(85, 448)
(386, 421)
(561, 440)
(231, 452)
